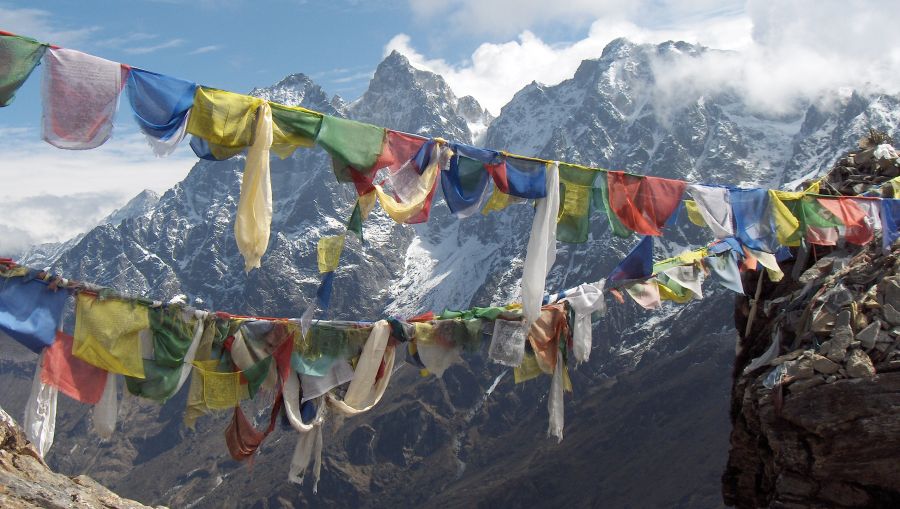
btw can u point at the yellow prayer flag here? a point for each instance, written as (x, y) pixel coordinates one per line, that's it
(329, 251)
(694, 214)
(527, 370)
(220, 390)
(576, 201)
(497, 202)
(786, 224)
(424, 333)
(107, 334)
(223, 118)
(366, 204)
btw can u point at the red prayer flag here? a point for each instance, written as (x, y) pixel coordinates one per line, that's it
(74, 377)
(853, 216)
(643, 204)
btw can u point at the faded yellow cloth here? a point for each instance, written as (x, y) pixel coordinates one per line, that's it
(196, 405)
(253, 221)
(220, 390)
(499, 201)
(895, 186)
(403, 212)
(329, 252)
(366, 204)
(787, 226)
(223, 118)
(528, 369)
(666, 293)
(694, 214)
(107, 334)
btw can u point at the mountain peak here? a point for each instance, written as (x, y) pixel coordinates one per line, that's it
(297, 90)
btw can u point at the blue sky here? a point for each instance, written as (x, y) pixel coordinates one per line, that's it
(782, 51)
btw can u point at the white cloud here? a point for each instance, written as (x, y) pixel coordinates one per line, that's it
(60, 193)
(42, 25)
(205, 49)
(785, 52)
(143, 50)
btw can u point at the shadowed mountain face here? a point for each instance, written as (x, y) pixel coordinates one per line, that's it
(647, 425)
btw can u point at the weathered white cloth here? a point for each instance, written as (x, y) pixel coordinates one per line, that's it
(80, 97)
(541, 251)
(253, 221)
(555, 401)
(715, 206)
(508, 342)
(107, 410)
(40, 412)
(689, 277)
(585, 300)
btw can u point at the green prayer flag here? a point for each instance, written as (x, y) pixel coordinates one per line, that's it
(355, 223)
(256, 375)
(573, 223)
(352, 145)
(172, 337)
(601, 198)
(18, 58)
(292, 128)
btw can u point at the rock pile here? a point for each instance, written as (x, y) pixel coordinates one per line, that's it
(816, 392)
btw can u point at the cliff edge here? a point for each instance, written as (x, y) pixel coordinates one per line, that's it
(27, 482)
(816, 393)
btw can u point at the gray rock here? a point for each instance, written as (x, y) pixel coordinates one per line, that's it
(841, 337)
(869, 336)
(824, 365)
(892, 292)
(800, 368)
(859, 365)
(802, 385)
(891, 314)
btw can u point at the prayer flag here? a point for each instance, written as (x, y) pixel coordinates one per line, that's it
(890, 222)
(638, 264)
(752, 218)
(80, 97)
(223, 119)
(354, 147)
(18, 58)
(106, 334)
(293, 127)
(160, 105)
(601, 202)
(30, 312)
(576, 193)
(714, 205)
(253, 221)
(643, 204)
(74, 377)
(329, 252)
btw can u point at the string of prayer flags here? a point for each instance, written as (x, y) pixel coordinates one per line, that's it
(576, 195)
(30, 311)
(293, 127)
(521, 177)
(253, 221)
(18, 58)
(414, 189)
(80, 97)
(160, 105)
(786, 206)
(107, 334)
(75, 378)
(643, 204)
(853, 214)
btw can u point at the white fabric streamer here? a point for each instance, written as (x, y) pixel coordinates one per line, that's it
(309, 445)
(555, 401)
(585, 300)
(40, 413)
(165, 147)
(253, 221)
(107, 410)
(437, 358)
(541, 252)
(377, 390)
(714, 205)
(645, 293)
(80, 97)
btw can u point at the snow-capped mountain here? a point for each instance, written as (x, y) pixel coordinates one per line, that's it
(650, 409)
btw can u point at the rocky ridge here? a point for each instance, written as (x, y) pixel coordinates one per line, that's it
(26, 482)
(816, 413)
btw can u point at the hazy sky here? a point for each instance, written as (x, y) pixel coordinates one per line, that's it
(784, 51)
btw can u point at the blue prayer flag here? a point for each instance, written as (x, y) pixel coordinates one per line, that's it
(160, 103)
(30, 311)
(637, 265)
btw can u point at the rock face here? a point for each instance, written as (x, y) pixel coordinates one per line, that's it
(819, 425)
(26, 482)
